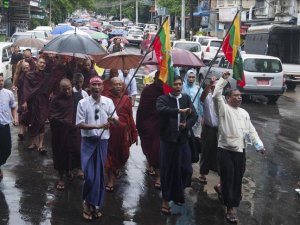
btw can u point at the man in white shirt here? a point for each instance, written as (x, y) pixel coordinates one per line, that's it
(94, 115)
(126, 76)
(235, 131)
(7, 113)
(78, 80)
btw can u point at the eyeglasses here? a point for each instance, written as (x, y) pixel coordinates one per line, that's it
(97, 110)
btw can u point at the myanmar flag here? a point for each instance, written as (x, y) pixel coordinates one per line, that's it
(162, 48)
(231, 46)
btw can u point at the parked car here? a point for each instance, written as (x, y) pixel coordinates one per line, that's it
(21, 35)
(117, 24)
(263, 75)
(38, 34)
(5, 55)
(190, 46)
(210, 47)
(135, 36)
(150, 27)
(47, 29)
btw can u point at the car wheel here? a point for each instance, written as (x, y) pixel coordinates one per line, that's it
(246, 98)
(291, 86)
(273, 98)
(142, 52)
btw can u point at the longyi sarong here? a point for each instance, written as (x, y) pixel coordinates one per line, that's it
(93, 157)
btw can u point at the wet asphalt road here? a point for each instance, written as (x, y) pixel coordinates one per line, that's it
(28, 194)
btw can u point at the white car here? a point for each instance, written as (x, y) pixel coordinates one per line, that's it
(210, 47)
(5, 55)
(135, 36)
(263, 75)
(47, 29)
(190, 46)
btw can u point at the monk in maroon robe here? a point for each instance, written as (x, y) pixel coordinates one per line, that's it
(19, 84)
(66, 151)
(36, 91)
(107, 83)
(88, 72)
(122, 136)
(27, 58)
(147, 123)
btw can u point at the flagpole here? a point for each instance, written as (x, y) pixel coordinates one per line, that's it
(215, 57)
(133, 76)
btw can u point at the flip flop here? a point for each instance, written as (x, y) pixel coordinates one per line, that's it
(202, 180)
(165, 210)
(42, 150)
(31, 148)
(109, 188)
(220, 197)
(97, 214)
(157, 185)
(60, 186)
(86, 212)
(231, 218)
(151, 172)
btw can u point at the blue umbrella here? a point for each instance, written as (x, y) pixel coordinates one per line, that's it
(61, 29)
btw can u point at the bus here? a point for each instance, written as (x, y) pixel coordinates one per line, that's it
(279, 40)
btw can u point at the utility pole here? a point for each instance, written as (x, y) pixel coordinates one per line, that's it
(50, 14)
(136, 12)
(120, 10)
(182, 19)
(240, 6)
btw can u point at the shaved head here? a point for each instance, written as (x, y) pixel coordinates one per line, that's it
(65, 87)
(65, 82)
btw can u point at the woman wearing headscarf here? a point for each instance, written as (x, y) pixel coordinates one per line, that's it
(190, 88)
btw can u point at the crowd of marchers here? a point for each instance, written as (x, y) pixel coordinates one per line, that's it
(92, 125)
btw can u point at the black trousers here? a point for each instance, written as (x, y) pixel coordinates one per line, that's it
(209, 149)
(232, 169)
(5, 143)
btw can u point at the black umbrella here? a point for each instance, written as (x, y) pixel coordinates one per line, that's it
(74, 43)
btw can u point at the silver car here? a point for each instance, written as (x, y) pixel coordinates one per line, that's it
(263, 75)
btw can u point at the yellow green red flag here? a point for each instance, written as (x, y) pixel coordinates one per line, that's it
(231, 48)
(162, 48)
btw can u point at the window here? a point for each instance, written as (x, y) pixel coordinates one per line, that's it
(5, 57)
(188, 46)
(215, 44)
(203, 42)
(262, 65)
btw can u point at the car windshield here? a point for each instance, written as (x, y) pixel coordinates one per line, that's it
(117, 24)
(262, 65)
(193, 47)
(215, 44)
(21, 36)
(135, 32)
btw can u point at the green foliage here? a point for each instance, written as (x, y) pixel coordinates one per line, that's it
(33, 23)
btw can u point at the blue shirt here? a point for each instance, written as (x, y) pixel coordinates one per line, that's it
(7, 102)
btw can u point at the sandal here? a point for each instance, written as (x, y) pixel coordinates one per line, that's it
(157, 185)
(97, 214)
(60, 186)
(31, 148)
(109, 188)
(86, 212)
(219, 192)
(42, 150)
(165, 210)
(231, 218)
(202, 180)
(151, 172)
(178, 203)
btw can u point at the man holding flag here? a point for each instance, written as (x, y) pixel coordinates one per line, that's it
(235, 128)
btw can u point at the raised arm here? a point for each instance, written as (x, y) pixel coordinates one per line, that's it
(217, 95)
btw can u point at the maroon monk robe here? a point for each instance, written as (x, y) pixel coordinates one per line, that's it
(122, 136)
(147, 122)
(66, 151)
(36, 91)
(20, 84)
(107, 87)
